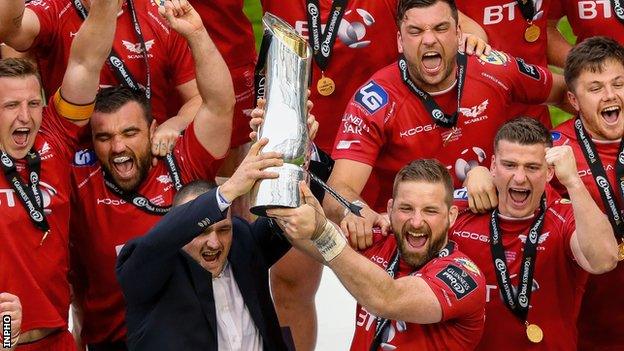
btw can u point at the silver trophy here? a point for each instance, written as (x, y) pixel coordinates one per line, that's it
(287, 73)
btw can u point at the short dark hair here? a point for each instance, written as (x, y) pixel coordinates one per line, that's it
(111, 99)
(524, 131)
(426, 170)
(404, 5)
(194, 189)
(18, 68)
(591, 55)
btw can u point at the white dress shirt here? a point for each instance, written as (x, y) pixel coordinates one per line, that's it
(235, 328)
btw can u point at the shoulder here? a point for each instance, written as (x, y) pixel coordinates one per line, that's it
(455, 273)
(504, 66)
(564, 133)
(560, 211)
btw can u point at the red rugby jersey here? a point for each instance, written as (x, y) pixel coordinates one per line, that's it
(504, 25)
(366, 42)
(169, 56)
(598, 326)
(558, 281)
(103, 223)
(387, 126)
(38, 273)
(462, 306)
(589, 18)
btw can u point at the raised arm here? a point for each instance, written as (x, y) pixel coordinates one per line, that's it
(213, 122)
(89, 51)
(558, 46)
(408, 299)
(593, 243)
(19, 26)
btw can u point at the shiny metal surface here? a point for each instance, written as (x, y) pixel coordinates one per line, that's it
(286, 83)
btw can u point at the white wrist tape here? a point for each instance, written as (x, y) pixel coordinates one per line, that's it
(331, 242)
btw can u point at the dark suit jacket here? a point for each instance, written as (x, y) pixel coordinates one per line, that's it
(170, 303)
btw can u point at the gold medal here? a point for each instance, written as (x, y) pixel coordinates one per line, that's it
(532, 33)
(621, 251)
(325, 86)
(534, 333)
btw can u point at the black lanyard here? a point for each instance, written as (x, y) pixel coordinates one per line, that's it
(600, 176)
(323, 43)
(618, 10)
(439, 117)
(392, 270)
(29, 194)
(141, 201)
(527, 9)
(259, 72)
(517, 303)
(120, 69)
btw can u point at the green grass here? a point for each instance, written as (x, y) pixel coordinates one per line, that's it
(253, 9)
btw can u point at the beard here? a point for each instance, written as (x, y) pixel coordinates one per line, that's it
(434, 244)
(140, 162)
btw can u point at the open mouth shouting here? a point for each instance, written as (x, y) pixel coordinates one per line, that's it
(124, 166)
(611, 114)
(432, 62)
(21, 136)
(416, 240)
(211, 256)
(519, 196)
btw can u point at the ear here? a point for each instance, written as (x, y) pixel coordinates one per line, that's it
(390, 203)
(153, 127)
(550, 173)
(453, 212)
(493, 165)
(399, 41)
(573, 101)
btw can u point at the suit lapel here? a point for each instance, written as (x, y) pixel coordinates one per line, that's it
(202, 282)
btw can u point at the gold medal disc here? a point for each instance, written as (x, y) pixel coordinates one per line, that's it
(534, 333)
(621, 251)
(325, 86)
(532, 33)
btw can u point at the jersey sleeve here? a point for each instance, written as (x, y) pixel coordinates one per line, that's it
(361, 135)
(530, 84)
(48, 15)
(60, 132)
(555, 11)
(194, 160)
(565, 214)
(459, 286)
(182, 68)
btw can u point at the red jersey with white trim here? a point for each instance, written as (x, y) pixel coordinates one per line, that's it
(589, 18)
(599, 327)
(103, 223)
(366, 42)
(558, 281)
(460, 288)
(233, 35)
(386, 126)
(169, 56)
(504, 25)
(30, 269)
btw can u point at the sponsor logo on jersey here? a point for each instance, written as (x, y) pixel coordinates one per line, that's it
(137, 50)
(497, 58)
(40, 3)
(592, 9)
(372, 97)
(564, 201)
(496, 14)
(556, 136)
(352, 124)
(346, 144)
(164, 179)
(352, 29)
(475, 111)
(460, 282)
(110, 202)
(418, 129)
(469, 265)
(9, 199)
(528, 69)
(460, 194)
(85, 157)
(485, 238)
(541, 240)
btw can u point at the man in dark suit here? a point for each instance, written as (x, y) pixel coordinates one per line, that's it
(199, 280)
